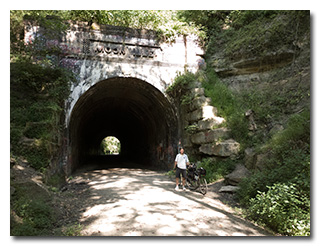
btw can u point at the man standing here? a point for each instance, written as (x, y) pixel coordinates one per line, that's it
(181, 163)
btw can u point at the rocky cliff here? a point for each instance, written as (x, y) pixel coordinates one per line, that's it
(265, 66)
(267, 63)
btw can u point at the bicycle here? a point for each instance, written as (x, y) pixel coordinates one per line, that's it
(196, 178)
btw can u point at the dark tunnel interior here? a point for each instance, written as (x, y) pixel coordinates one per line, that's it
(133, 111)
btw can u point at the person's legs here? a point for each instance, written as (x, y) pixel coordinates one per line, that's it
(178, 171)
(184, 176)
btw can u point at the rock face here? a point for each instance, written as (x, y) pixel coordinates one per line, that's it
(249, 158)
(210, 136)
(211, 123)
(223, 149)
(273, 67)
(229, 189)
(203, 113)
(206, 133)
(237, 175)
(255, 64)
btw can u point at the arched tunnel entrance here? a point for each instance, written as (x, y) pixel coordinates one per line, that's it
(133, 111)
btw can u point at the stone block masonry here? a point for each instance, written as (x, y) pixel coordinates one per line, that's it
(208, 135)
(223, 149)
(121, 78)
(96, 54)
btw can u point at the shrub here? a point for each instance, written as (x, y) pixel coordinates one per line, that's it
(279, 196)
(37, 95)
(283, 208)
(295, 136)
(217, 169)
(288, 159)
(33, 207)
(181, 83)
(38, 219)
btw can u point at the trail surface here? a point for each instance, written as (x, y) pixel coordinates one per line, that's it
(140, 202)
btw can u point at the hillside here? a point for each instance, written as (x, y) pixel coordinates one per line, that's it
(258, 77)
(254, 82)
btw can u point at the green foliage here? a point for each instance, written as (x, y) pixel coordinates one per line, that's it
(186, 99)
(56, 181)
(222, 97)
(283, 208)
(288, 159)
(179, 90)
(33, 209)
(110, 146)
(208, 21)
(190, 129)
(181, 83)
(287, 154)
(295, 136)
(217, 169)
(171, 173)
(229, 106)
(51, 20)
(36, 96)
(283, 186)
(251, 32)
(165, 22)
(286, 178)
(242, 18)
(72, 230)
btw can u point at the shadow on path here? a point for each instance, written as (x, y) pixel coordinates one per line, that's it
(141, 202)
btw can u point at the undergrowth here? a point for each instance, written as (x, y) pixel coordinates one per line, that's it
(37, 95)
(32, 206)
(279, 195)
(36, 109)
(216, 170)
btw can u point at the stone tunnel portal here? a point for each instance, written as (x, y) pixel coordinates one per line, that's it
(133, 111)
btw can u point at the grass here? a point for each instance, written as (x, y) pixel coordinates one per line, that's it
(34, 214)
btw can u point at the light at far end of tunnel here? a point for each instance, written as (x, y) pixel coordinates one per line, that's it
(110, 146)
(135, 112)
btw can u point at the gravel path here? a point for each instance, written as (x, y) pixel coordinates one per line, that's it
(140, 202)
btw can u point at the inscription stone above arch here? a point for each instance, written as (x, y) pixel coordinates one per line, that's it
(96, 55)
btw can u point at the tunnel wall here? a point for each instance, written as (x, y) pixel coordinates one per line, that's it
(134, 111)
(107, 53)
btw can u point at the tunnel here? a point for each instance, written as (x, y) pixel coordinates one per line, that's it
(132, 110)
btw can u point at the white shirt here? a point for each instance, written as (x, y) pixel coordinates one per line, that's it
(182, 161)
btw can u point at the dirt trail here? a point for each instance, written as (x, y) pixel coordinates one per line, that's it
(139, 202)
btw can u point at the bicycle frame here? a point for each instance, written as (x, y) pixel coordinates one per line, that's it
(196, 178)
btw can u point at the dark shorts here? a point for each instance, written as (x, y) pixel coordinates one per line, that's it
(181, 171)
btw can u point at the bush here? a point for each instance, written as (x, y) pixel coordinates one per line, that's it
(37, 95)
(295, 136)
(288, 159)
(217, 169)
(33, 207)
(283, 208)
(181, 83)
(38, 219)
(279, 196)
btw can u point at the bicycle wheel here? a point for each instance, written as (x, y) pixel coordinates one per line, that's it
(191, 184)
(203, 186)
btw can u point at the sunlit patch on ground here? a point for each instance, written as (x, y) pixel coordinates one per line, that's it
(137, 202)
